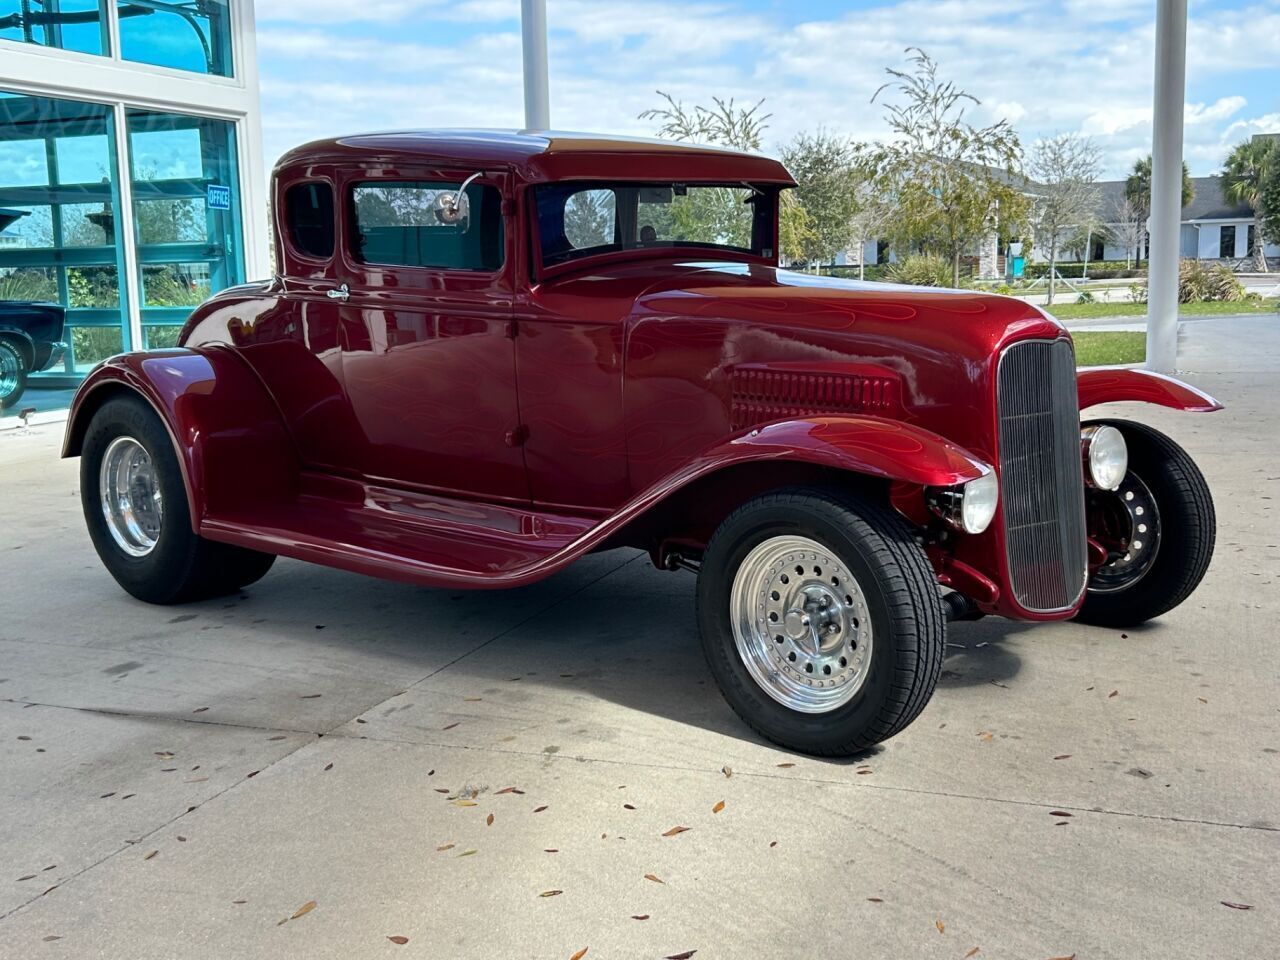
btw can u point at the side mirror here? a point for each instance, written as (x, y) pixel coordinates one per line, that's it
(454, 209)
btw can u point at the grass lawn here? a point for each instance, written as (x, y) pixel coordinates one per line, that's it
(1085, 311)
(1102, 349)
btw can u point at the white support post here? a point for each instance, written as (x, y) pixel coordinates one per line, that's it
(1166, 185)
(537, 95)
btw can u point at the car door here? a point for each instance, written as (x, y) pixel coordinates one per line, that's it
(429, 362)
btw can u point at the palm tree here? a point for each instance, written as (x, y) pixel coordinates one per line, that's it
(1244, 173)
(1137, 187)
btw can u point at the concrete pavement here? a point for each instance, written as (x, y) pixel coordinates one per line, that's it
(176, 782)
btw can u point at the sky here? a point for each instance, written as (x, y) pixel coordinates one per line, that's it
(333, 67)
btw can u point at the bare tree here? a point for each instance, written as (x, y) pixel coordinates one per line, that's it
(724, 123)
(1128, 227)
(1065, 168)
(951, 181)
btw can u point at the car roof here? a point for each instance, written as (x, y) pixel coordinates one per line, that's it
(541, 155)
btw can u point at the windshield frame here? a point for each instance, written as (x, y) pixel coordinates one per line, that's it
(764, 228)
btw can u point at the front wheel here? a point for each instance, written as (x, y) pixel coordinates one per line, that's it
(1158, 528)
(13, 373)
(820, 619)
(135, 505)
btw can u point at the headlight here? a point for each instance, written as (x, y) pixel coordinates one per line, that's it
(969, 507)
(1106, 456)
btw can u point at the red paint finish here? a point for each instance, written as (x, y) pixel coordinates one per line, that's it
(485, 428)
(1145, 386)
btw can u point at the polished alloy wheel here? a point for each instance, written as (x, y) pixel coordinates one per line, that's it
(1132, 518)
(10, 371)
(129, 491)
(801, 624)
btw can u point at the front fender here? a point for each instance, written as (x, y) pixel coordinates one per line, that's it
(880, 448)
(232, 446)
(1145, 386)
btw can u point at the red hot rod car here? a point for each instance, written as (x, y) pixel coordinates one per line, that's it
(486, 354)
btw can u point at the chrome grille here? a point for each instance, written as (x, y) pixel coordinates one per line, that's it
(1041, 479)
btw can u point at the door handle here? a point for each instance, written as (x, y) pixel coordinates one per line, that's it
(342, 292)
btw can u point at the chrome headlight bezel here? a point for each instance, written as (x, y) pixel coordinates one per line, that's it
(1105, 456)
(968, 507)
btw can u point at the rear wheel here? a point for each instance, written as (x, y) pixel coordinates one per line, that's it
(1158, 528)
(13, 373)
(135, 505)
(820, 619)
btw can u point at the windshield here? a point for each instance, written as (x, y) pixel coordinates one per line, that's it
(588, 218)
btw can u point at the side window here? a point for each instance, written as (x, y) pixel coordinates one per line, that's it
(309, 216)
(396, 224)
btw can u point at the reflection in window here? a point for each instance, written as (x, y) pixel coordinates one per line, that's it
(397, 223)
(59, 234)
(186, 205)
(192, 36)
(79, 25)
(589, 218)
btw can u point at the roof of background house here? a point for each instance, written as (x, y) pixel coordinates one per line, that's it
(1207, 204)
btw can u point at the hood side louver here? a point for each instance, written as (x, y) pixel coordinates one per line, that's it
(762, 395)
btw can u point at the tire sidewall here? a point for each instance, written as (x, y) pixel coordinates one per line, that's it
(9, 347)
(156, 577)
(724, 555)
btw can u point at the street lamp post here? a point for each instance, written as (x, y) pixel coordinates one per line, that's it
(537, 97)
(1166, 185)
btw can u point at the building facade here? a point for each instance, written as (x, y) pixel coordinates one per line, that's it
(131, 168)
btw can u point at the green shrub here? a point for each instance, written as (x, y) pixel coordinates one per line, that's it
(920, 270)
(1199, 281)
(1138, 292)
(1085, 297)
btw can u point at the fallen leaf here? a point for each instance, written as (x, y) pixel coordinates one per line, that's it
(718, 807)
(1236, 906)
(182, 839)
(401, 941)
(874, 900)
(464, 803)
(164, 755)
(239, 901)
(29, 876)
(451, 726)
(650, 876)
(639, 916)
(550, 893)
(773, 843)
(488, 821)
(1072, 957)
(985, 735)
(539, 809)
(23, 737)
(105, 795)
(328, 766)
(863, 772)
(674, 830)
(466, 853)
(1202, 699)
(508, 790)
(1059, 813)
(309, 696)
(303, 910)
(151, 854)
(444, 847)
(361, 720)
(199, 709)
(50, 890)
(471, 699)
(195, 780)
(280, 737)
(727, 771)
(1113, 693)
(580, 954)
(51, 937)
(627, 806)
(784, 766)
(551, 850)
(682, 956)
(942, 927)
(971, 953)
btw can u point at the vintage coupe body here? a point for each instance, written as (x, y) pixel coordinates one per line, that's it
(486, 354)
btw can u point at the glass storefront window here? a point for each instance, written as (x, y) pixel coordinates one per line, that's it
(59, 236)
(185, 36)
(79, 25)
(186, 202)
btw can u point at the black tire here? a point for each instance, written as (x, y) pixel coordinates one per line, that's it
(13, 373)
(182, 566)
(1187, 529)
(903, 601)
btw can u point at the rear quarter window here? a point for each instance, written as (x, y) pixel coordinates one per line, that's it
(396, 224)
(309, 216)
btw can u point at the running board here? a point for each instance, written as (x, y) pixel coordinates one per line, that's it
(419, 538)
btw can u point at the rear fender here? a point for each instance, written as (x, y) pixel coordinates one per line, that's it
(1145, 386)
(232, 445)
